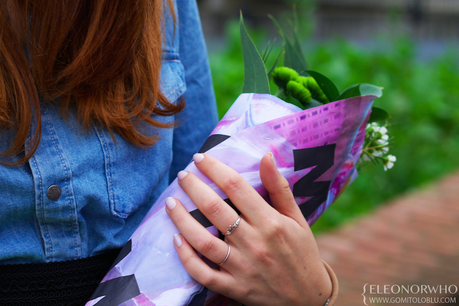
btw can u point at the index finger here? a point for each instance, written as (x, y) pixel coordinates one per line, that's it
(242, 195)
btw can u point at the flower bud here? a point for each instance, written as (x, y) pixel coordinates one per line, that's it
(297, 91)
(282, 75)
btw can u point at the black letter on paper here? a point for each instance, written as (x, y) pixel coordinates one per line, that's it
(120, 289)
(212, 141)
(321, 157)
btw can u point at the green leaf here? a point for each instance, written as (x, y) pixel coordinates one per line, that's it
(369, 89)
(294, 101)
(358, 90)
(378, 114)
(313, 103)
(293, 57)
(325, 84)
(296, 41)
(255, 77)
(265, 55)
(351, 91)
(276, 63)
(277, 25)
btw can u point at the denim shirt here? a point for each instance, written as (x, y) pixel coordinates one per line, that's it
(106, 187)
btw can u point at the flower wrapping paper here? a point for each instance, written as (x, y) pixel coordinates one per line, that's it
(316, 150)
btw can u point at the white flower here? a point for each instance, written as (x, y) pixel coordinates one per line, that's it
(389, 161)
(385, 137)
(365, 157)
(383, 130)
(380, 152)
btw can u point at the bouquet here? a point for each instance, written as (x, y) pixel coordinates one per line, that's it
(317, 136)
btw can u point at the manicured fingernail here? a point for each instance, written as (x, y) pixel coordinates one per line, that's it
(177, 240)
(273, 160)
(170, 203)
(182, 174)
(198, 157)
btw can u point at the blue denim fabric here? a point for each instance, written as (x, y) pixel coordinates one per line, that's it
(107, 187)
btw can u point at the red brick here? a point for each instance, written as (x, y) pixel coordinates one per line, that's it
(412, 240)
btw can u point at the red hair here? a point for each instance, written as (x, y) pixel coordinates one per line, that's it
(102, 57)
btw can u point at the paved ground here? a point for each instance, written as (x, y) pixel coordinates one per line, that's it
(413, 240)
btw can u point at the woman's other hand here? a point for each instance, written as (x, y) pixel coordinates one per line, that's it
(274, 258)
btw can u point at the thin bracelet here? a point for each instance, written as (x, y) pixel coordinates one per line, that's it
(326, 303)
(335, 286)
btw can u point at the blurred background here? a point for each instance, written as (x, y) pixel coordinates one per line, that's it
(409, 47)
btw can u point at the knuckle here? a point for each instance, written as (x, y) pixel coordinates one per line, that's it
(206, 246)
(260, 253)
(245, 291)
(273, 228)
(283, 187)
(242, 291)
(233, 184)
(213, 207)
(210, 162)
(187, 261)
(207, 280)
(178, 217)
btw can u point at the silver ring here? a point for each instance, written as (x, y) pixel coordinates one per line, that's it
(227, 254)
(232, 227)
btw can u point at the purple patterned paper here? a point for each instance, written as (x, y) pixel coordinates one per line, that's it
(257, 124)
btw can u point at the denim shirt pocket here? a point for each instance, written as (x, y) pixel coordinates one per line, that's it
(134, 175)
(172, 81)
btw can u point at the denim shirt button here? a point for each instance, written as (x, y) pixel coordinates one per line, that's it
(53, 193)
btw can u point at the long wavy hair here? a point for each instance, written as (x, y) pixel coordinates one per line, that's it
(101, 57)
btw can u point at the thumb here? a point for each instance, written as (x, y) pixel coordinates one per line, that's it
(279, 190)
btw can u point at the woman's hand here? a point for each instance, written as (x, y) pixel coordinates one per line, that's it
(274, 258)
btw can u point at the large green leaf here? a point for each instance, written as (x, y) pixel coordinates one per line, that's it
(325, 84)
(378, 114)
(358, 90)
(293, 57)
(351, 91)
(369, 89)
(255, 77)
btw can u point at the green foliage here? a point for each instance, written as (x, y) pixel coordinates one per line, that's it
(326, 87)
(358, 90)
(420, 97)
(255, 77)
(378, 114)
(294, 56)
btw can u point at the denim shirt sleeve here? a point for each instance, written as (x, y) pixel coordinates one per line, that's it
(106, 187)
(200, 114)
